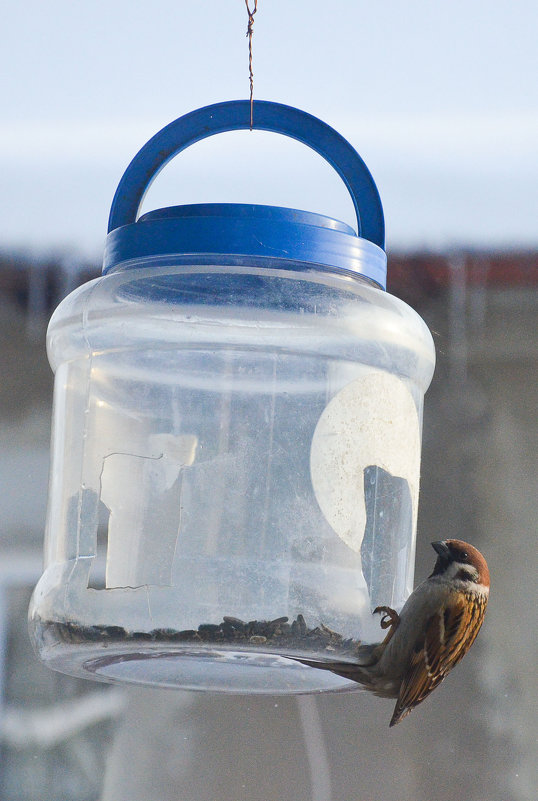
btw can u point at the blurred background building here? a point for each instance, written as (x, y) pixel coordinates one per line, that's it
(63, 738)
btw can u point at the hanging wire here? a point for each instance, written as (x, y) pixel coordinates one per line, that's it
(250, 72)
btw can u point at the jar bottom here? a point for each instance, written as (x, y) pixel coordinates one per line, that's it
(191, 667)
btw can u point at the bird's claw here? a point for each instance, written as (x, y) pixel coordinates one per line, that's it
(390, 618)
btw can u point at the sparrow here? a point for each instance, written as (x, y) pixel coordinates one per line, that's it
(433, 632)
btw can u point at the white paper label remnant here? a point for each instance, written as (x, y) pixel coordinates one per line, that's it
(371, 421)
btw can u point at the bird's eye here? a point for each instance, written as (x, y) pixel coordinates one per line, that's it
(459, 555)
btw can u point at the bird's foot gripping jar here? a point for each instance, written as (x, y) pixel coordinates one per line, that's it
(236, 437)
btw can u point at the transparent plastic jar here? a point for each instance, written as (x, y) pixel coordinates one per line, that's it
(235, 461)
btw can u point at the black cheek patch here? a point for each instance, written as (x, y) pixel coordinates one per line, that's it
(463, 575)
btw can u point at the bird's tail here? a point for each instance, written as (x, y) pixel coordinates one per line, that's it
(365, 656)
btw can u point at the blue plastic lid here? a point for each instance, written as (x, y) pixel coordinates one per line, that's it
(230, 231)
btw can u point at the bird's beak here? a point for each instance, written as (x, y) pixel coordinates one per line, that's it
(442, 549)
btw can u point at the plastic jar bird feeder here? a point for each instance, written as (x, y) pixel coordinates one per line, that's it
(236, 436)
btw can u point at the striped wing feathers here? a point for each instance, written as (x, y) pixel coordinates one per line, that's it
(446, 638)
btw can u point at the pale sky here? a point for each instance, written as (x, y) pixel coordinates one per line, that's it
(440, 99)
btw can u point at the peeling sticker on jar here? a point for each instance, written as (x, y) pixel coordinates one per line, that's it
(365, 461)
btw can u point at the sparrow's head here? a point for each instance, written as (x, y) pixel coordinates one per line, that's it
(460, 561)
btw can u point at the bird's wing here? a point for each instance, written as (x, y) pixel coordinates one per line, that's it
(447, 636)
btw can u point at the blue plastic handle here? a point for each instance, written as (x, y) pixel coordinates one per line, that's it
(234, 115)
